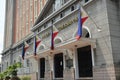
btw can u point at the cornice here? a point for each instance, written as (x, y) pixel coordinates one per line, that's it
(53, 14)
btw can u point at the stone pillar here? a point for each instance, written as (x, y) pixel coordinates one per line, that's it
(49, 67)
(69, 71)
(69, 74)
(34, 76)
(48, 75)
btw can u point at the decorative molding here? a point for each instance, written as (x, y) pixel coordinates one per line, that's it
(45, 35)
(67, 24)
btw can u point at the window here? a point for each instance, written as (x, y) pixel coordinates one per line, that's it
(38, 29)
(72, 8)
(87, 35)
(28, 62)
(86, 1)
(41, 47)
(61, 15)
(57, 41)
(53, 20)
(28, 41)
(45, 25)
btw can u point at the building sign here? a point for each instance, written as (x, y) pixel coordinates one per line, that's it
(67, 24)
(63, 26)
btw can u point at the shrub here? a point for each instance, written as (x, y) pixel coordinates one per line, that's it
(26, 78)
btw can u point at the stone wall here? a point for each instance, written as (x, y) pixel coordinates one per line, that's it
(113, 10)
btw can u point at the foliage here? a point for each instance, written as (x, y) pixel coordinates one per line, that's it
(11, 70)
(1, 76)
(15, 78)
(26, 78)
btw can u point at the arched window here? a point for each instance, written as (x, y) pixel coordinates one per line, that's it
(41, 47)
(58, 40)
(85, 32)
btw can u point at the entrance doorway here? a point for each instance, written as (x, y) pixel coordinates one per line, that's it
(42, 67)
(58, 65)
(84, 62)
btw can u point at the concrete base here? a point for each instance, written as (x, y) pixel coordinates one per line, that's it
(48, 75)
(104, 73)
(69, 74)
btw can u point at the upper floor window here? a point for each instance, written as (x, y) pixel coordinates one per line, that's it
(86, 1)
(72, 8)
(29, 41)
(61, 15)
(39, 29)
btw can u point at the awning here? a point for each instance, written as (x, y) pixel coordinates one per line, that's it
(72, 43)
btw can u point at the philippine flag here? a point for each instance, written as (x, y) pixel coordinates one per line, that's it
(82, 16)
(54, 33)
(37, 41)
(25, 46)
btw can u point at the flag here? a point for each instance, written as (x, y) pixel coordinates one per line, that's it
(36, 43)
(54, 33)
(25, 46)
(82, 16)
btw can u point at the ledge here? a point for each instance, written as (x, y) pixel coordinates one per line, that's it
(53, 14)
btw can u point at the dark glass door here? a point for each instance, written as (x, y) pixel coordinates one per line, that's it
(85, 62)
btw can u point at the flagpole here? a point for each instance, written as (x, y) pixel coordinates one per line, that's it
(52, 40)
(98, 28)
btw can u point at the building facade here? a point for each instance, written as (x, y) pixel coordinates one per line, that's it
(20, 17)
(94, 57)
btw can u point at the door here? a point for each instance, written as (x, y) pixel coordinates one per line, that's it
(58, 65)
(42, 67)
(84, 62)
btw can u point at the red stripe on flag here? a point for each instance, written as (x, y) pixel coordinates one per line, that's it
(37, 43)
(55, 34)
(26, 48)
(84, 19)
(78, 37)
